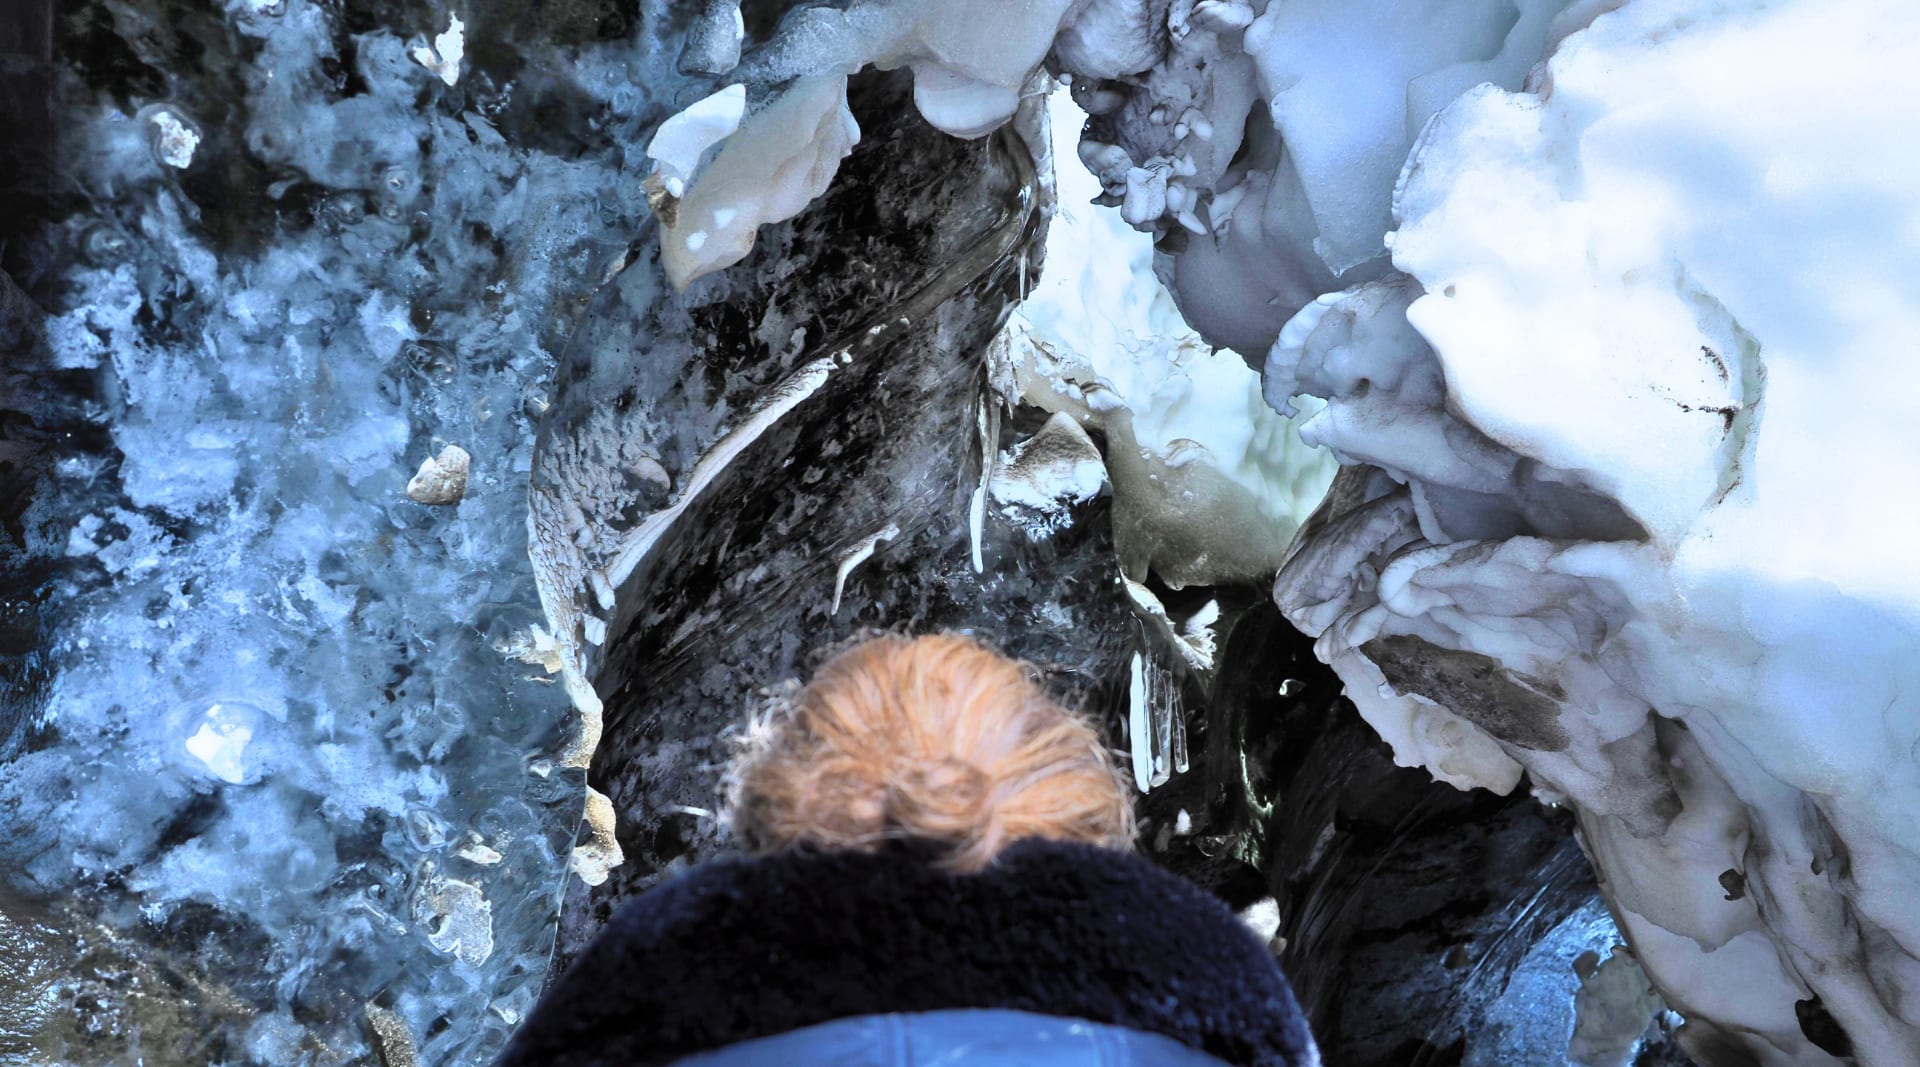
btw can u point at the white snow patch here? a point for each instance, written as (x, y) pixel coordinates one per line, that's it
(770, 169)
(449, 47)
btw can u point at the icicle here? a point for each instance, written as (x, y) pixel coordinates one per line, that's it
(1137, 726)
(860, 554)
(987, 425)
(1180, 744)
(1164, 705)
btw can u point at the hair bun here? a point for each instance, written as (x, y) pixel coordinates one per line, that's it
(938, 739)
(944, 799)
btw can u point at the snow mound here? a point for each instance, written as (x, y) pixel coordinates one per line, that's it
(1628, 518)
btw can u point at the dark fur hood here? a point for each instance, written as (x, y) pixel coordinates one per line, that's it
(740, 949)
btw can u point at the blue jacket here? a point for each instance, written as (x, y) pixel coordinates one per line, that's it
(1054, 951)
(948, 1038)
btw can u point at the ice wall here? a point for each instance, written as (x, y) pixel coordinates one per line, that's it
(1623, 413)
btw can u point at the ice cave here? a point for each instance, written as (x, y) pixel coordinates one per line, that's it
(1451, 447)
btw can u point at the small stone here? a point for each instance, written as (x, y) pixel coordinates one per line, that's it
(174, 140)
(392, 1040)
(597, 858)
(478, 852)
(458, 918)
(443, 478)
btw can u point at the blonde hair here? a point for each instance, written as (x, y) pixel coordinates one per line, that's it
(935, 739)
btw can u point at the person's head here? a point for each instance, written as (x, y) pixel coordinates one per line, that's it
(938, 740)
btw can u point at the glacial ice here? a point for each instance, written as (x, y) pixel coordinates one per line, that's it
(969, 68)
(782, 157)
(678, 146)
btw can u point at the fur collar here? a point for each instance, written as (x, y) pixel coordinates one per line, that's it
(739, 949)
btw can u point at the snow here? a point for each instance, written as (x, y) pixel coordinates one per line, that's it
(449, 47)
(1637, 409)
(1610, 349)
(1347, 125)
(1038, 481)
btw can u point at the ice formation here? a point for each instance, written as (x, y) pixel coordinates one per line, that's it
(782, 157)
(1620, 414)
(970, 61)
(969, 67)
(1208, 482)
(1609, 351)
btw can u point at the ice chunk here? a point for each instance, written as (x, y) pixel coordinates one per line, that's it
(1615, 1005)
(683, 140)
(713, 41)
(771, 169)
(961, 105)
(221, 743)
